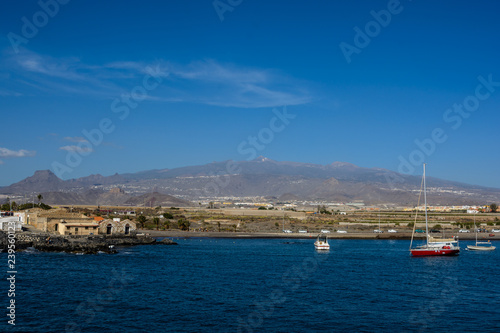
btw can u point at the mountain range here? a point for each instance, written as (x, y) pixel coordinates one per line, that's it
(285, 181)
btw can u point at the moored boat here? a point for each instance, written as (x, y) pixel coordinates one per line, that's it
(437, 247)
(480, 246)
(321, 242)
(433, 246)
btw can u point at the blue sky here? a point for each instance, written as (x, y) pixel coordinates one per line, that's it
(164, 84)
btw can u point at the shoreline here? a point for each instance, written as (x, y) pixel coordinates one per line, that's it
(334, 235)
(108, 243)
(78, 244)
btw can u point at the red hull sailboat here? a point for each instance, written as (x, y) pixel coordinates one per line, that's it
(441, 249)
(433, 246)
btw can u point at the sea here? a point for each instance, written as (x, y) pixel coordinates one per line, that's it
(255, 285)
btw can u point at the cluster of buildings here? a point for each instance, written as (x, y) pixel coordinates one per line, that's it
(67, 223)
(468, 209)
(257, 202)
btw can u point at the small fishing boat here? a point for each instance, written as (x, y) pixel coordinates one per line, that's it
(321, 242)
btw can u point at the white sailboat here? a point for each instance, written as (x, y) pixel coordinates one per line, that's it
(433, 246)
(480, 246)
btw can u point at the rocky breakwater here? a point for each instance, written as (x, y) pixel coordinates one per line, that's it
(92, 244)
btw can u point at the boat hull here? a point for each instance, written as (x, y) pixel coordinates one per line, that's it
(434, 252)
(321, 243)
(480, 248)
(322, 247)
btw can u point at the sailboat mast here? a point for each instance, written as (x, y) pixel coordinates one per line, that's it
(475, 229)
(425, 207)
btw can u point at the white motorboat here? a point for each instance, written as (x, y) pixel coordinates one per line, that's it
(321, 242)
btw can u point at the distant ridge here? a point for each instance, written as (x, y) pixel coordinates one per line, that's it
(41, 181)
(336, 182)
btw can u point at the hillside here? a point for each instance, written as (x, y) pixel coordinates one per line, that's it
(335, 182)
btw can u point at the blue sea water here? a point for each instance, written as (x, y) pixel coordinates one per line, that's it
(256, 285)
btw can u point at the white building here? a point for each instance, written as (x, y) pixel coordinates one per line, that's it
(11, 221)
(22, 216)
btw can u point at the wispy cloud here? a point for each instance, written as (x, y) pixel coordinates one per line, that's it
(48, 136)
(112, 145)
(212, 71)
(75, 139)
(42, 73)
(205, 82)
(5, 93)
(228, 85)
(77, 149)
(7, 153)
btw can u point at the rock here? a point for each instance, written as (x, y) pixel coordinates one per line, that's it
(78, 244)
(167, 241)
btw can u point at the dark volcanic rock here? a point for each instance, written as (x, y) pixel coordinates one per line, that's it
(78, 244)
(167, 241)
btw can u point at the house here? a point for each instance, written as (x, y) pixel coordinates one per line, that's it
(116, 227)
(11, 223)
(77, 228)
(60, 220)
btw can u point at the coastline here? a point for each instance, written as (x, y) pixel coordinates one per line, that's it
(333, 235)
(78, 244)
(108, 243)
